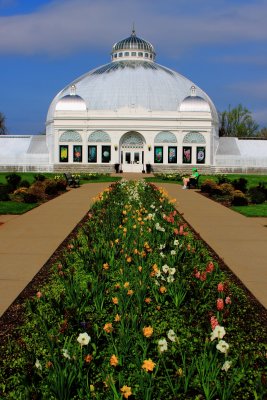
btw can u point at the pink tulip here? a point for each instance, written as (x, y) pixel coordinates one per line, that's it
(220, 287)
(220, 304)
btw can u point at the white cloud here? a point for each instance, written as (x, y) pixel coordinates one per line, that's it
(64, 27)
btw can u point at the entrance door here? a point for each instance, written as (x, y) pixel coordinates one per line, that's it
(132, 160)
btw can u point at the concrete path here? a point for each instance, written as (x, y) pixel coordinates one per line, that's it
(240, 241)
(28, 241)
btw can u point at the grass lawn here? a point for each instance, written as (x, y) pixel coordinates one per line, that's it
(28, 176)
(13, 207)
(253, 210)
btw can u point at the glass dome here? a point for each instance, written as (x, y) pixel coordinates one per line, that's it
(71, 102)
(194, 103)
(133, 47)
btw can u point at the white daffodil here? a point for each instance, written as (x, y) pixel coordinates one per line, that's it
(173, 252)
(176, 242)
(226, 366)
(171, 335)
(38, 364)
(162, 254)
(83, 339)
(165, 268)
(66, 353)
(170, 279)
(162, 345)
(172, 271)
(217, 333)
(162, 246)
(222, 346)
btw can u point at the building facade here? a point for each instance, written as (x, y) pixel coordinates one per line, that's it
(132, 115)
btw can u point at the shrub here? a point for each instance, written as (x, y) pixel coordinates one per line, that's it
(24, 184)
(239, 198)
(227, 188)
(208, 185)
(61, 184)
(240, 184)
(13, 180)
(51, 187)
(39, 177)
(221, 178)
(29, 197)
(257, 195)
(4, 192)
(38, 189)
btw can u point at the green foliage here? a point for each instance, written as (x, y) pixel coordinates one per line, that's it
(4, 192)
(13, 180)
(222, 178)
(257, 195)
(239, 198)
(134, 267)
(39, 177)
(208, 186)
(240, 184)
(237, 122)
(24, 183)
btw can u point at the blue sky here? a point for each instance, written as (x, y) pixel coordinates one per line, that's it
(45, 44)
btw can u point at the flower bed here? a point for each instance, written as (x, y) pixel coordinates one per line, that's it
(137, 308)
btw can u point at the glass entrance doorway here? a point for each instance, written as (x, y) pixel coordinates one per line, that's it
(132, 160)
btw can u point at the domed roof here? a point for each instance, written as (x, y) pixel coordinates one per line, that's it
(71, 102)
(142, 48)
(133, 83)
(194, 103)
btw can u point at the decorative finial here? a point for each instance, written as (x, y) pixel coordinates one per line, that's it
(73, 90)
(133, 31)
(193, 90)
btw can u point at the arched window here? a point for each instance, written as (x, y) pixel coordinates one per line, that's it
(99, 136)
(194, 137)
(165, 137)
(70, 136)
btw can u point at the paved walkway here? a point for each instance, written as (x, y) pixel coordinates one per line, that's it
(28, 241)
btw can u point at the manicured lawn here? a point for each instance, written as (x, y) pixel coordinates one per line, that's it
(13, 207)
(253, 210)
(28, 176)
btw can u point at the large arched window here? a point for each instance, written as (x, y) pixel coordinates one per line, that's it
(70, 136)
(165, 137)
(99, 136)
(194, 137)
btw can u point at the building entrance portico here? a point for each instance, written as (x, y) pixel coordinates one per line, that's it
(132, 152)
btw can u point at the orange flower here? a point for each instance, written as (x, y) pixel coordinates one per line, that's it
(105, 266)
(148, 365)
(108, 327)
(88, 358)
(117, 241)
(155, 268)
(114, 361)
(124, 230)
(130, 292)
(136, 251)
(162, 289)
(115, 300)
(147, 331)
(140, 268)
(117, 318)
(49, 364)
(117, 285)
(126, 391)
(134, 226)
(126, 285)
(129, 259)
(124, 212)
(148, 300)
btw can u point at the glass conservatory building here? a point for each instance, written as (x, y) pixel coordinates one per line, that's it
(131, 115)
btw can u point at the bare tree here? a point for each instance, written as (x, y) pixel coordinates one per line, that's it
(3, 129)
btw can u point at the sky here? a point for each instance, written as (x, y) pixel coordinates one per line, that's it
(45, 44)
